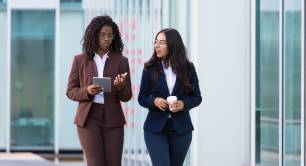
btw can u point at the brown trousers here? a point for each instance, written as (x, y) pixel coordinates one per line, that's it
(102, 146)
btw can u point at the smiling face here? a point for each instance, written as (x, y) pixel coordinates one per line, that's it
(106, 37)
(160, 46)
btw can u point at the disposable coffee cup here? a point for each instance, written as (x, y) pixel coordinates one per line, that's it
(171, 100)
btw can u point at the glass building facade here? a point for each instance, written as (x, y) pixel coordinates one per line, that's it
(278, 82)
(32, 79)
(2, 1)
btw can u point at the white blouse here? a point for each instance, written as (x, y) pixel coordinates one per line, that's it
(170, 78)
(100, 63)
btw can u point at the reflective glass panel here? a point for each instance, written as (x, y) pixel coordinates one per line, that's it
(32, 79)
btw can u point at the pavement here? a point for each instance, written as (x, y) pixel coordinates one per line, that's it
(23, 159)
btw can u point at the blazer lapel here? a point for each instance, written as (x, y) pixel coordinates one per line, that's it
(164, 84)
(92, 70)
(175, 87)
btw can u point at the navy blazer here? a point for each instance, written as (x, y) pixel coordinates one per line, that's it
(156, 119)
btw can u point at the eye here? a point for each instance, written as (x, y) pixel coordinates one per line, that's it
(163, 42)
(104, 36)
(160, 42)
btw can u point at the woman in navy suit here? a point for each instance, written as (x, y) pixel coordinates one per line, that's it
(168, 132)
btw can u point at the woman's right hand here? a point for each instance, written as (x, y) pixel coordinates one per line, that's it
(161, 103)
(94, 89)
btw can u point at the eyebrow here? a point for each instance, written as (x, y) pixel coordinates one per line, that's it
(160, 40)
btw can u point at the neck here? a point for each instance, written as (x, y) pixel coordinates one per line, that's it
(101, 52)
(166, 62)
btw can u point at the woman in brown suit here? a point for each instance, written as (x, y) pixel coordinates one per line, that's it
(99, 117)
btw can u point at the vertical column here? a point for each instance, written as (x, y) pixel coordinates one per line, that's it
(194, 56)
(143, 56)
(281, 86)
(253, 83)
(303, 4)
(3, 73)
(57, 77)
(303, 37)
(166, 13)
(8, 79)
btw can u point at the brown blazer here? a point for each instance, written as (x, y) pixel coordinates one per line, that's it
(82, 72)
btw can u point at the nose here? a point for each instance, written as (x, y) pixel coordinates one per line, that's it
(107, 41)
(156, 45)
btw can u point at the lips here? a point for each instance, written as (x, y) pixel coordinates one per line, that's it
(105, 45)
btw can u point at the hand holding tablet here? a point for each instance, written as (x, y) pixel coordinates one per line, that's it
(104, 82)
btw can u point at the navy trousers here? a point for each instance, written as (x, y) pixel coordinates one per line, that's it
(167, 148)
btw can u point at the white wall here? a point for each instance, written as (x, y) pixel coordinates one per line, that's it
(3, 80)
(223, 63)
(71, 32)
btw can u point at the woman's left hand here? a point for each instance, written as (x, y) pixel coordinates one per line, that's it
(177, 106)
(120, 81)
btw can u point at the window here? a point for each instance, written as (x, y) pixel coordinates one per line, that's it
(32, 79)
(71, 4)
(71, 1)
(275, 124)
(2, 3)
(267, 82)
(292, 83)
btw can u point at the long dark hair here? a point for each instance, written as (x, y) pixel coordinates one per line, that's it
(176, 58)
(91, 36)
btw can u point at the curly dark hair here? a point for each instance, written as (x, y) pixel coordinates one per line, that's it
(176, 58)
(91, 37)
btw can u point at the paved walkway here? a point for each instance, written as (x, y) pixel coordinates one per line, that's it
(23, 159)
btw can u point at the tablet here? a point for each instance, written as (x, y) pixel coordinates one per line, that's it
(104, 82)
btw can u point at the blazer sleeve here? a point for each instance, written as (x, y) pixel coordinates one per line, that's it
(195, 98)
(125, 94)
(144, 98)
(74, 91)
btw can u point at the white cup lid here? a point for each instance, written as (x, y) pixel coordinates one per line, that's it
(171, 99)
